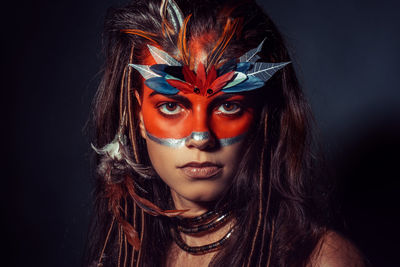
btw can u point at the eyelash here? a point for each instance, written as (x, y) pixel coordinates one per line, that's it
(220, 109)
(236, 110)
(164, 109)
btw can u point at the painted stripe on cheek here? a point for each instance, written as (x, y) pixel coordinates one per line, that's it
(197, 136)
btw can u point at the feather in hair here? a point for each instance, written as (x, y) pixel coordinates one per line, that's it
(182, 42)
(162, 57)
(131, 234)
(221, 81)
(160, 85)
(148, 206)
(166, 27)
(116, 161)
(264, 71)
(200, 76)
(211, 76)
(171, 17)
(239, 77)
(115, 193)
(165, 70)
(144, 70)
(251, 56)
(189, 76)
(251, 83)
(223, 41)
(148, 35)
(184, 87)
(176, 15)
(227, 67)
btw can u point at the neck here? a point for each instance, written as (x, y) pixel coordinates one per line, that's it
(212, 234)
(194, 208)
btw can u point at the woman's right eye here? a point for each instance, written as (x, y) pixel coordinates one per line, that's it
(170, 108)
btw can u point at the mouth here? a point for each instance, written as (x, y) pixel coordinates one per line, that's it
(201, 170)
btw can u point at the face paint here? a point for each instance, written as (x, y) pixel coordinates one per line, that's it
(180, 104)
(173, 120)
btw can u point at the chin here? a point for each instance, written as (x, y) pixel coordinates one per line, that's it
(200, 195)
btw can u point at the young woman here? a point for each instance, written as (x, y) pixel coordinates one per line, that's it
(203, 143)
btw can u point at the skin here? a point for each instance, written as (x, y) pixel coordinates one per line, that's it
(166, 117)
(194, 193)
(334, 250)
(221, 116)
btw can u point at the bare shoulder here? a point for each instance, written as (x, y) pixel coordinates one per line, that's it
(334, 250)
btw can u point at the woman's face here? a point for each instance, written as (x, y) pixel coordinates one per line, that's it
(195, 142)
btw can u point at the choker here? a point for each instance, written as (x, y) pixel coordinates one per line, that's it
(198, 228)
(200, 249)
(203, 223)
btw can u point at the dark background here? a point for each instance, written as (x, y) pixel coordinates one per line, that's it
(346, 54)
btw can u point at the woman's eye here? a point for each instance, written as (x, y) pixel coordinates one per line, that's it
(170, 108)
(229, 108)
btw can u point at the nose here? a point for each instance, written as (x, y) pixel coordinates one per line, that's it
(201, 140)
(201, 137)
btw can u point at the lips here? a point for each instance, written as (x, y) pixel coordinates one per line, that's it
(201, 170)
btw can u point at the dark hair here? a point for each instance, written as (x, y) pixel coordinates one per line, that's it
(273, 196)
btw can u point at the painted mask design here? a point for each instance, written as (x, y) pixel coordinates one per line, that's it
(180, 105)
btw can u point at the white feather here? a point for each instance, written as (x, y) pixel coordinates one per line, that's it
(175, 14)
(144, 70)
(162, 57)
(264, 71)
(251, 56)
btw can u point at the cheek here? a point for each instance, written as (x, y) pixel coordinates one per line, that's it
(196, 119)
(163, 160)
(228, 127)
(163, 127)
(183, 125)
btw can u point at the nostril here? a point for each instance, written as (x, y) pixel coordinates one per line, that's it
(200, 140)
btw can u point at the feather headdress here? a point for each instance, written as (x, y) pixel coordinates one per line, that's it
(170, 76)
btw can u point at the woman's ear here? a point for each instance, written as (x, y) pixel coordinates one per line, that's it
(141, 125)
(138, 98)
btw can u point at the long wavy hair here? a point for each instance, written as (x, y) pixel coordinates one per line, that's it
(274, 196)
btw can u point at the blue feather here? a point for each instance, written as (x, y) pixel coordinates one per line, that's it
(243, 66)
(250, 84)
(159, 69)
(160, 85)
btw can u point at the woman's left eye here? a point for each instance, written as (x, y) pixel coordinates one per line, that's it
(229, 108)
(170, 108)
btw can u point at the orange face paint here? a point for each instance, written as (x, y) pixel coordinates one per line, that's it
(173, 119)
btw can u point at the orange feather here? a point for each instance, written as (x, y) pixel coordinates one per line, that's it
(144, 34)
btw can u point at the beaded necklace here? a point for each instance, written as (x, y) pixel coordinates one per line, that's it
(203, 223)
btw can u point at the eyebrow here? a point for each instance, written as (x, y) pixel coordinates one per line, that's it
(222, 98)
(178, 98)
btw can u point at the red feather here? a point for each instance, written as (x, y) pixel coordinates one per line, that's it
(131, 234)
(211, 76)
(148, 206)
(201, 78)
(190, 77)
(221, 81)
(181, 86)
